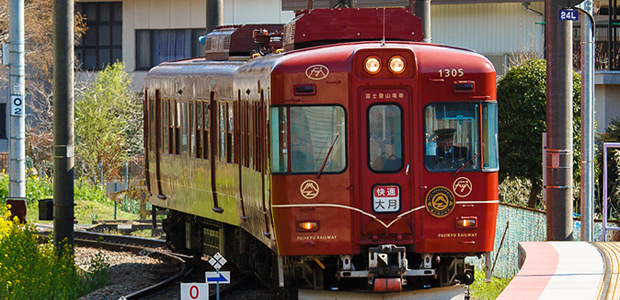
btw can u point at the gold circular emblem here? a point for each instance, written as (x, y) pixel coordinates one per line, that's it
(462, 187)
(309, 189)
(439, 201)
(317, 72)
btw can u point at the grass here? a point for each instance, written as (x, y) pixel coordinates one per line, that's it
(90, 200)
(481, 290)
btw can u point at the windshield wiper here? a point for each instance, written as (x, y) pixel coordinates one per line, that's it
(467, 163)
(327, 156)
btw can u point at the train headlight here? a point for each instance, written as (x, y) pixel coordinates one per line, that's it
(397, 64)
(307, 225)
(467, 222)
(372, 65)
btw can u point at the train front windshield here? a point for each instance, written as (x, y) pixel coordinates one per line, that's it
(308, 139)
(461, 136)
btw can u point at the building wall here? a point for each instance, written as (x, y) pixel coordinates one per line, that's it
(501, 31)
(171, 14)
(607, 93)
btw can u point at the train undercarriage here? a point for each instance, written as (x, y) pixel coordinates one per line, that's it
(383, 268)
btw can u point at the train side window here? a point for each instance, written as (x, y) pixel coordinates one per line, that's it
(192, 129)
(184, 124)
(152, 126)
(490, 150)
(177, 127)
(205, 138)
(230, 137)
(164, 125)
(251, 133)
(385, 138)
(199, 129)
(245, 128)
(222, 130)
(260, 142)
(171, 126)
(279, 142)
(254, 146)
(452, 131)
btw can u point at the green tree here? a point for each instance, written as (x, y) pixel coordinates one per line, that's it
(108, 122)
(38, 34)
(522, 111)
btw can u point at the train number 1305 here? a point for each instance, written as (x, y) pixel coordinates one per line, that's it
(445, 73)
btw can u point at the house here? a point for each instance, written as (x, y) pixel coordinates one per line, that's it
(144, 33)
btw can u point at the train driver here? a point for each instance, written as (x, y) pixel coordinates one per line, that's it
(447, 155)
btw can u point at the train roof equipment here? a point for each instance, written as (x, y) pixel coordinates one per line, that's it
(327, 26)
(313, 27)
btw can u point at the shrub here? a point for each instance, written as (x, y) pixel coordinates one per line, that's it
(33, 271)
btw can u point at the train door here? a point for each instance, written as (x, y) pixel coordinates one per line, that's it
(385, 164)
(213, 117)
(158, 147)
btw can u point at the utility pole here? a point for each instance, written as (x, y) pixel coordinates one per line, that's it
(215, 14)
(587, 123)
(17, 93)
(422, 9)
(63, 124)
(559, 151)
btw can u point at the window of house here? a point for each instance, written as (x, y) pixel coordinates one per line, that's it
(156, 46)
(102, 43)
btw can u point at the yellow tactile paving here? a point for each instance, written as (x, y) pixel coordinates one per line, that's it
(610, 287)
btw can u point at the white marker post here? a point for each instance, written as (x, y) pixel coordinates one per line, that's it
(194, 291)
(217, 261)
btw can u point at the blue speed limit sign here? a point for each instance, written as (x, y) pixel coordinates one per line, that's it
(17, 105)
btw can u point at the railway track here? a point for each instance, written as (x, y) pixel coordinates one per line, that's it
(193, 269)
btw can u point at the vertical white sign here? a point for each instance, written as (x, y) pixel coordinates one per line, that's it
(17, 106)
(194, 291)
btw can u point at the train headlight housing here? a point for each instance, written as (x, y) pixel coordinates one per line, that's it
(372, 65)
(307, 225)
(397, 64)
(467, 222)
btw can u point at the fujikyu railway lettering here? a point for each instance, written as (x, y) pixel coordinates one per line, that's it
(457, 235)
(316, 237)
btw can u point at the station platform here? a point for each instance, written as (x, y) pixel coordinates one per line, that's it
(566, 270)
(442, 293)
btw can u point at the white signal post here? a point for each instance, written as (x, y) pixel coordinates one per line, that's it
(217, 261)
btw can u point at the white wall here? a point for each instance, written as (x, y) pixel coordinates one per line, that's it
(489, 28)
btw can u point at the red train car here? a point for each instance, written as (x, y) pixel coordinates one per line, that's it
(356, 155)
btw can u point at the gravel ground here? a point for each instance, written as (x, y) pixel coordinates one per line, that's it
(128, 272)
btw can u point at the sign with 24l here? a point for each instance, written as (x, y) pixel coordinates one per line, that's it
(569, 15)
(17, 105)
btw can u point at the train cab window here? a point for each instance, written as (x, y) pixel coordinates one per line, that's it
(453, 136)
(385, 134)
(314, 135)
